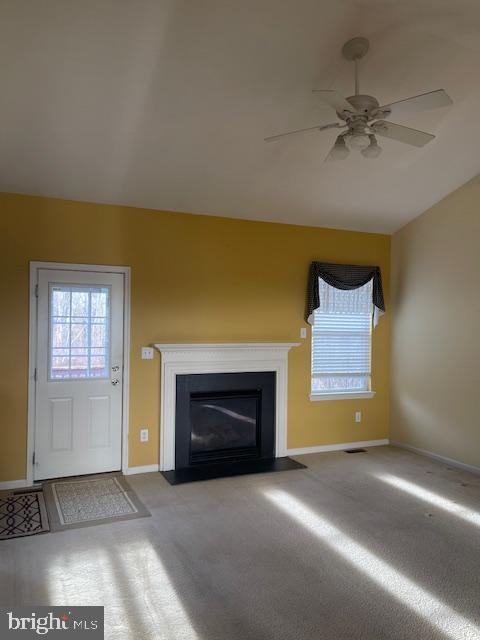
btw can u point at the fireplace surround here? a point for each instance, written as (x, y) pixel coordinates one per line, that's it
(179, 360)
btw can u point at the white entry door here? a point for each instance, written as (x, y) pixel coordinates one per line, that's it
(79, 373)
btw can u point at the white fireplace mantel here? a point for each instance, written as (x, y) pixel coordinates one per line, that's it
(181, 359)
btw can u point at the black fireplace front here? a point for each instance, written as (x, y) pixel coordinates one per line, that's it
(224, 417)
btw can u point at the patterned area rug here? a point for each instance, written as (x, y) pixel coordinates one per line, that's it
(83, 502)
(22, 514)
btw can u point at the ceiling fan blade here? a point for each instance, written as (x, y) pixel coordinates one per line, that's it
(333, 125)
(423, 102)
(402, 134)
(335, 100)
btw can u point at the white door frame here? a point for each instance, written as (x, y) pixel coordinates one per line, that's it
(32, 350)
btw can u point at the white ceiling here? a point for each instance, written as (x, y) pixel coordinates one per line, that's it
(165, 103)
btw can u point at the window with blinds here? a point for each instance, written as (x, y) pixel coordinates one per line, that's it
(341, 340)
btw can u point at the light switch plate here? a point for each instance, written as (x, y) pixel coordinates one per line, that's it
(358, 416)
(147, 353)
(143, 435)
(303, 332)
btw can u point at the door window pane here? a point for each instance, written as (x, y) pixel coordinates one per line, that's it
(79, 332)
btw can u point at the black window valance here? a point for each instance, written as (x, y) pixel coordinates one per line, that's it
(343, 276)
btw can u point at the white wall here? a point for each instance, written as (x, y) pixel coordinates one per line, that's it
(435, 402)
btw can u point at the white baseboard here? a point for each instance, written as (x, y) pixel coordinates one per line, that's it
(437, 456)
(338, 447)
(20, 484)
(147, 468)
(13, 484)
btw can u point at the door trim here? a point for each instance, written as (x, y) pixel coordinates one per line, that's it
(32, 351)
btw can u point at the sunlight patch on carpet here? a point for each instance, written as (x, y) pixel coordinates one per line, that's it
(417, 599)
(435, 499)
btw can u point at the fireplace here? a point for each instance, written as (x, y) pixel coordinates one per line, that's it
(224, 417)
(223, 410)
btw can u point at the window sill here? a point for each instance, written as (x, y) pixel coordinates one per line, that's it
(343, 395)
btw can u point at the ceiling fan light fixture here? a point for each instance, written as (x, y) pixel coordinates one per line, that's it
(373, 150)
(358, 141)
(340, 150)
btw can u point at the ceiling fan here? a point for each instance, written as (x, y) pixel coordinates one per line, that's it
(364, 118)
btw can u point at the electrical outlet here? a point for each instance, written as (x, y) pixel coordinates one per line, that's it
(358, 416)
(303, 332)
(143, 435)
(147, 353)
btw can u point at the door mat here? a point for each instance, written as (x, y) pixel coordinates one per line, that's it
(22, 514)
(88, 501)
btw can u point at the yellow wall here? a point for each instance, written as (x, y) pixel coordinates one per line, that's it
(435, 343)
(194, 279)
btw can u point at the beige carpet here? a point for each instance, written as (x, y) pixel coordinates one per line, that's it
(382, 545)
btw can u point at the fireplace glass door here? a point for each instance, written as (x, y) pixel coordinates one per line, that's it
(224, 425)
(224, 417)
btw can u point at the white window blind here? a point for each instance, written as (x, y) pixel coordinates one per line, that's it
(341, 340)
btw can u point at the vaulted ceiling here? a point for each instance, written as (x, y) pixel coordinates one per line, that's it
(165, 103)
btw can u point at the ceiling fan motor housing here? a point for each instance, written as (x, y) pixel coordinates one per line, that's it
(362, 104)
(363, 108)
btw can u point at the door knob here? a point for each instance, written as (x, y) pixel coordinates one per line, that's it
(115, 381)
